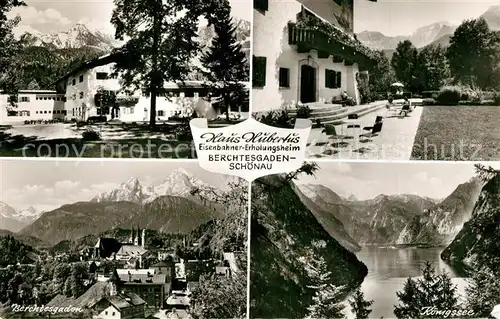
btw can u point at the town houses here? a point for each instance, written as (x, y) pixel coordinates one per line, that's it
(305, 52)
(92, 90)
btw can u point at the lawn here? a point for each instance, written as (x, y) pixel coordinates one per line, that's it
(458, 133)
(118, 141)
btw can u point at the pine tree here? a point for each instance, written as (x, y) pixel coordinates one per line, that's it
(410, 303)
(360, 307)
(226, 64)
(432, 290)
(483, 293)
(324, 301)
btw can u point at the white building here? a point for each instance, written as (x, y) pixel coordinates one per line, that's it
(78, 97)
(32, 105)
(304, 51)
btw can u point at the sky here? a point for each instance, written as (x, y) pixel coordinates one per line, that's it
(59, 15)
(368, 180)
(49, 184)
(403, 17)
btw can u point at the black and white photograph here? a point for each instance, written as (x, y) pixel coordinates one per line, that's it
(77, 78)
(381, 79)
(121, 239)
(376, 240)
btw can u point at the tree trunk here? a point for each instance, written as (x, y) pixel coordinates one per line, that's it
(154, 74)
(227, 106)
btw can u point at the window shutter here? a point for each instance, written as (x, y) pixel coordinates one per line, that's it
(327, 78)
(338, 79)
(262, 5)
(259, 71)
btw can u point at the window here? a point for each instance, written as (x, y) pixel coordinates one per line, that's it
(284, 77)
(333, 80)
(101, 75)
(65, 112)
(113, 313)
(25, 99)
(81, 95)
(330, 79)
(81, 78)
(44, 112)
(261, 5)
(106, 312)
(259, 71)
(74, 82)
(131, 110)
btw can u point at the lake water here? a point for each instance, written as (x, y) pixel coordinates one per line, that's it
(388, 269)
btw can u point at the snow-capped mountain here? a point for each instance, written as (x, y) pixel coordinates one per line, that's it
(14, 220)
(179, 183)
(436, 33)
(78, 36)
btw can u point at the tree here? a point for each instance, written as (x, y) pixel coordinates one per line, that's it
(431, 69)
(33, 85)
(324, 301)
(432, 290)
(403, 61)
(382, 74)
(473, 53)
(9, 49)
(360, 307)
(226, 64)
(220, 297)
(161, 40)
(483, 293)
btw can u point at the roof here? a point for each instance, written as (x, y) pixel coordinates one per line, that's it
(103, 60)
(132, 251)
(143, 279)
(89, 298)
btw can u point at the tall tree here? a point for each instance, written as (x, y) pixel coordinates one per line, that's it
(161, 40)
(403, 62)
(431, 69)
(431, 290)
(324, 302)
(360, 307)
(473, 53)
(483, 292)
(382, 75)
(225, 64)
(9, 49)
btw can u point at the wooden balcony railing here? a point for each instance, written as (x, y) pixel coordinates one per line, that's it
(309, 39)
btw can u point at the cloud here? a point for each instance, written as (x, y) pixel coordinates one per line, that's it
(30, 15)
(423, 177)
(45, 198)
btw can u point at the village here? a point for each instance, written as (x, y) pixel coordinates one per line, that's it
(124, 280)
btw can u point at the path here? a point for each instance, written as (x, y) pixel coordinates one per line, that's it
(394, 142)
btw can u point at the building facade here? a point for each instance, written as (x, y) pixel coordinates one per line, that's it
(305, 51)
(32, 105)
(85, 92)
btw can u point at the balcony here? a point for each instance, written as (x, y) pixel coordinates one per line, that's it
(310, 38)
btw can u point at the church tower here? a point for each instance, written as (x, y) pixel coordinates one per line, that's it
(143, 239)
(137, 237)
(131, 239)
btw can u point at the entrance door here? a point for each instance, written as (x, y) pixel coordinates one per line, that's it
(307, 84)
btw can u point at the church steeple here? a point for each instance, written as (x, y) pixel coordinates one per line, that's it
(137, 237)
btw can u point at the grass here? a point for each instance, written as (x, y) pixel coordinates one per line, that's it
(122, 142)
(458, 133)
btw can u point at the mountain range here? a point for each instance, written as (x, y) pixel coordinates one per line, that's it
(169, 207)
(14, 220)
(81, 36)
(436, 33)
(396, 219)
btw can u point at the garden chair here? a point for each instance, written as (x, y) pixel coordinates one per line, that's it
(377, 128)
(405, 110)
(331, 132)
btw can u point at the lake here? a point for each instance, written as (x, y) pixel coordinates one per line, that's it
(388, 269)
